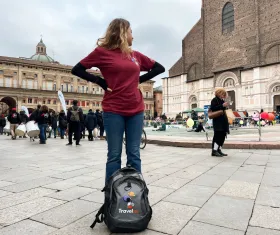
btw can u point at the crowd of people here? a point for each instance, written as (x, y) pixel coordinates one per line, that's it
(50, 123)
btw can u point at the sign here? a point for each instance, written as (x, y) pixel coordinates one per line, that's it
(206, 108)
(62, 100)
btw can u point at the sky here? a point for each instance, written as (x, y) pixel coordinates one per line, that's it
(70, 28)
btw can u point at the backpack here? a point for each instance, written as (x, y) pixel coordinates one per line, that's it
(75, 116)
(126, 208)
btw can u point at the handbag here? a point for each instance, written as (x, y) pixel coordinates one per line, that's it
(213, 115)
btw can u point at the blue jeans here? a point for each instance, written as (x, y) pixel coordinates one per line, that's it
(42, 134)
(115, 125)
(62, 132)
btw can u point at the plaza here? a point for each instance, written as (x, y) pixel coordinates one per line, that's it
(54, 189)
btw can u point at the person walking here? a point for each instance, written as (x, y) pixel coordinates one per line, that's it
(220, 124)
(90, 123)
(123, 105)
(23, 120)
(62, 123)
(100, 123)
(14, 119)
(43, 120)
(74, 117)
(2, 123)
(53, 125)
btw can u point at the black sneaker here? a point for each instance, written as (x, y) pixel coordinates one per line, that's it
(215, 153)
(68, 144)
(78, 145)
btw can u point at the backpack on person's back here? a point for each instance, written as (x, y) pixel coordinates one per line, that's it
(126, 208)
(75, 114)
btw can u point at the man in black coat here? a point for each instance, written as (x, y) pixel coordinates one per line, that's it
(2, 123)
(90, 123)
(23, 120)
(100, 123)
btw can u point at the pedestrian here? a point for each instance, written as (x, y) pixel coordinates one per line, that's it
(35, 113)
(14, 119)
(90, 123)
(2, 123)
(53, 124)
(62, 123)
(220, 123)
(123, 106)
(74, 117)
(43, 119)
(100, 123)
(23, 120)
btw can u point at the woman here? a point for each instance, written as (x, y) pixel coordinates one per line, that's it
(220, 124)
(62, 123)
(43, 120)
(122, 103)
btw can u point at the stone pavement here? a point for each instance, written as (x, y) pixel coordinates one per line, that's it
(54, 189)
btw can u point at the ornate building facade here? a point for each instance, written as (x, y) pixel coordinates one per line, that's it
(36, 80)
(235, 45)
(158, 101)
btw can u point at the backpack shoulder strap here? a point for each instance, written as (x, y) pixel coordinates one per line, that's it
(97, 219)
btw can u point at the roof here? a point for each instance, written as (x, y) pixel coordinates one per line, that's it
(158, 89)
(42, 58)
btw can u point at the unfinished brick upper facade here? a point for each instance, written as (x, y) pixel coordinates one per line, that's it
(254, 41)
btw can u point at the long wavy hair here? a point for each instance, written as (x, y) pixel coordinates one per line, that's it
(116, 36)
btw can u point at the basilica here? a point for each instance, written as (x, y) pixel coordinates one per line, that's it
(235, 45)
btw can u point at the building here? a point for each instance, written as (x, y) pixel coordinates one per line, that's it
(235, 45)
(158, 101)
(36, 80)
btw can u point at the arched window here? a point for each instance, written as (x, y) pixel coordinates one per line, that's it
(228, 18)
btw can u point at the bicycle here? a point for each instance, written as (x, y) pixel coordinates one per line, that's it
(143, 142)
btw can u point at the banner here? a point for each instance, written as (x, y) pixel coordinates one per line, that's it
(23, 108)
(62, 101)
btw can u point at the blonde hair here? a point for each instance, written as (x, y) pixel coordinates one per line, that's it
(116, 36)
(220, 92)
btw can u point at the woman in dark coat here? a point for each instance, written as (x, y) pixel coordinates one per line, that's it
(62, 123)
(43, 121)
(220, 124)
(90, 123)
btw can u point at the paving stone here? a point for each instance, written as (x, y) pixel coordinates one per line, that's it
(261, 231)
(223, 170)
(268, 196)
(25, 210)
(226, 212)
(253, 168)
(72, 193)
(151, 177)
(27, 227)
(192, 195)
(191, 172)
(96, 184)
(96, 196)
(69, 183)
(96, 174)
(156, 194)
(273, 170)
(166, 170)
(271, 179)
(17, 198)
(4, 193)
(266, 217)
(81, 226)
(30, 184)
(239, 189)
(171, 217)
(5, 183)
(215, 181)
(247, 176)
(67, 213)
(170, 182)
(198, 228)
(71, 174)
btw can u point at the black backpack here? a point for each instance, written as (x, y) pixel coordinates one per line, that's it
(126, 208)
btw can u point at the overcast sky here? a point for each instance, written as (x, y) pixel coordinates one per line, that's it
(70, 28)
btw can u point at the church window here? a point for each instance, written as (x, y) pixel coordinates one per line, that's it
(228, 18)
